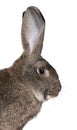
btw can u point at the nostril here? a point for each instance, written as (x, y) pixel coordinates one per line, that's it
(59, 87)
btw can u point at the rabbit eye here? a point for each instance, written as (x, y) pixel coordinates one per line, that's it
(41, 71)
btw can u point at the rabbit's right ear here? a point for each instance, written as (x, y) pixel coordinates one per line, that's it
(33, 26)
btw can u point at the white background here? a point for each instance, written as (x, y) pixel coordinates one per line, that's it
(59, 49)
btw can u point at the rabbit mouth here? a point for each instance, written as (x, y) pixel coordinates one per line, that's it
(45, 95)
(50, 94)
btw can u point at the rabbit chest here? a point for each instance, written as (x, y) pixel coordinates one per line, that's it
(17, 105)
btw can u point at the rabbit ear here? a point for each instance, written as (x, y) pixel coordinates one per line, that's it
(33, 26)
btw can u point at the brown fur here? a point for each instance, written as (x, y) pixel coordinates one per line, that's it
(17, 103)
(22, 87)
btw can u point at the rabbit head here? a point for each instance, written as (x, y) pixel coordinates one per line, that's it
(40, 77)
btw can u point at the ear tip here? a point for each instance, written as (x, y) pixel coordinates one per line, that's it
(23, 14)
(30, 8)
(35, 9)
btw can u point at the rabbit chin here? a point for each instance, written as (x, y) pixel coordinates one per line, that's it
(39, 97)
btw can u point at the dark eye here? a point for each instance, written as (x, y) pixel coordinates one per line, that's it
(41, 70)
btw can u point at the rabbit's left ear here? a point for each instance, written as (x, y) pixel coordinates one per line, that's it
(33, 26)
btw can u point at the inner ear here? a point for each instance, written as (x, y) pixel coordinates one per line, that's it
(33, 26)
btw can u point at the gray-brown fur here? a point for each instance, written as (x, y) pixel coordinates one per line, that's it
(31, 80)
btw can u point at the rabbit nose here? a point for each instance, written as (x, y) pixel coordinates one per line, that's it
(57, 86)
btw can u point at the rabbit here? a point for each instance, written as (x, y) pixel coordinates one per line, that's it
(31, 80)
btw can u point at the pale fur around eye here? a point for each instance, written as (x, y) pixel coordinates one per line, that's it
(45, 73)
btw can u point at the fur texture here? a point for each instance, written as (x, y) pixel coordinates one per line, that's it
(31, 80)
